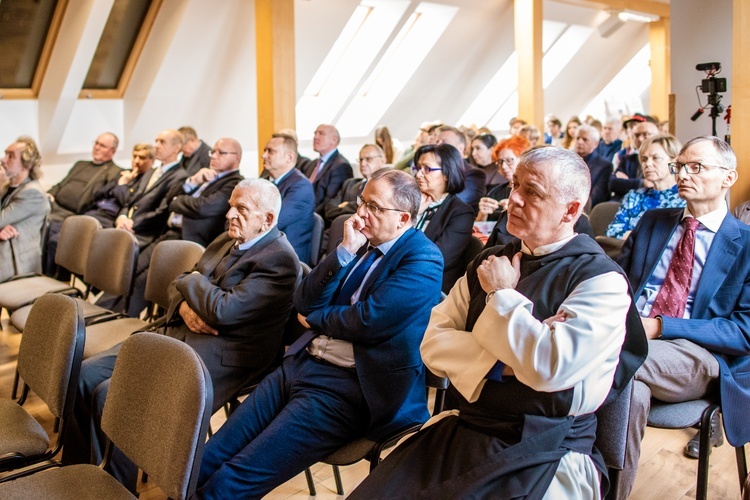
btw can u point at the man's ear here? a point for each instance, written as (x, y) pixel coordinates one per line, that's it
(572, 210)
(404, 218)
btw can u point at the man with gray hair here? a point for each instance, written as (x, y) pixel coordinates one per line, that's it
(689, 269)
(534, 338)
(587, 140)
(231, 309)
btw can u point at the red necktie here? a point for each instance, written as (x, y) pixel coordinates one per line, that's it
(317, 169)
(672, 297)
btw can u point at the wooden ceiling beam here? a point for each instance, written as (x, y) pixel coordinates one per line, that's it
(648, 6)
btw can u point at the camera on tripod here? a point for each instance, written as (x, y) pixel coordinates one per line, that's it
(714, 87)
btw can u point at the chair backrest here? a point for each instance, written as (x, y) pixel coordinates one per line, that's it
(49, 358)
(158, 408)
(601, 215)
(317, 238)
(73, 245)
(169, 259)
(440, 384)
(336, 232)
(611, 432)
(111, 263)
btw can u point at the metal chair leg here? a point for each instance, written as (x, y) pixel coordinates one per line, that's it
(741, 464)
(14, 393)
(337, 479)
(701, 491)
(310, 483)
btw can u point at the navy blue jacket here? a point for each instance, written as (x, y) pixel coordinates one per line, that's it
(601, 170)
(296, 217)
(329, 180)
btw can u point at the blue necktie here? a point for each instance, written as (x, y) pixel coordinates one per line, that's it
(354, 281)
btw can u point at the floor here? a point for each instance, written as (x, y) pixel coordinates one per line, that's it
(664, 474)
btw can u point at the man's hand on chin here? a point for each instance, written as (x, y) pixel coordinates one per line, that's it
(353, 237)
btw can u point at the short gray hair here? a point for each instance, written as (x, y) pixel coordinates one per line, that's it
(573, 175)
(265, 194)
(592, 132)
(726, 152)
(404, 190)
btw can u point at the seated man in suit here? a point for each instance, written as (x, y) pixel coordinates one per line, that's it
(628, 173)
(298, 200)
(358, 372)
(474, 178)
(117, 193)
(196, 154)
(371, 159)
(23, 208)
(586, 142)
(533, 339)
(146, 214)
(328, 172)
(689, 269)
(231, 308)
(76, 191)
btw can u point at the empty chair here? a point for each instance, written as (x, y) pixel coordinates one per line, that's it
(170, 259)
(156, 413)
(49, 360)
(601, 215)
(72, 253)
(110, 267)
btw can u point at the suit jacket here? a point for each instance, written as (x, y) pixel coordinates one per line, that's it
(204, 217)
(75, 192)
(248, 304)
(475, 182)
(328, 182)
(601, 170)
(149, 206)
(631, 166)
(450, 229)
(116, 196)
(26, 209)
(349, 192)
(201, 158)
(720, 317)
(296, 217)
(385, 326)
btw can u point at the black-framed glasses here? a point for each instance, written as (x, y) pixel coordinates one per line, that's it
(373, 208)
(220, 152)
(691, 167)
(425, 169)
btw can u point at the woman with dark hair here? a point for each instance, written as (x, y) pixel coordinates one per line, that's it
(444, 219)
(481, 154)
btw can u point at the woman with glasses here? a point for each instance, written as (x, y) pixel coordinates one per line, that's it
(481, 155)
(660, 186)
(444, 219)
(506, 155)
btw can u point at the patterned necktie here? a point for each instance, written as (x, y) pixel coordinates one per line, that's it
(672, 297)
(354, 281)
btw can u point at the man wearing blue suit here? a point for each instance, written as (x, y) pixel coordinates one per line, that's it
(359, 371)
(297, 197)
(690, 280)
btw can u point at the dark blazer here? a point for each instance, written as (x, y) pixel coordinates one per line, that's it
(328, 182)
(720, 317)
(75, 192)
(149, 207)
(201, 158)
(26, 209)
(248, 305)
(475, 186)
(601, 170)
(450, 229)
(631, 166)
(386, 326)
(348, 193)
(204, 217)
(117, 196)
(296, 217)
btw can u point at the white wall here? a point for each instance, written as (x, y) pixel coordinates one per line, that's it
(700, 32)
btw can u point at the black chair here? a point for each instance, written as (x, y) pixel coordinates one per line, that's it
(611, 435)
(317, 239)
(601, 215)
(336, 232)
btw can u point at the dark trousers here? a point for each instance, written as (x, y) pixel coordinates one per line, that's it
(298, 415)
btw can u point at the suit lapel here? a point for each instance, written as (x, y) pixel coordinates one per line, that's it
(719, 261)
(384, 264)
(9, 198)
(327, 166)
(660, 235)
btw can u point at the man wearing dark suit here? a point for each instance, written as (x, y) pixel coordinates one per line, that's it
(297, 197)
(196, 154)
(587, 140)
(23, 209)
(146, 214)
(474, 178)
(231, 309)
(328, 172)
(628, 173)
(690, 269)
(371, 159)
(117, 193)
(75, 192)
(358, 372)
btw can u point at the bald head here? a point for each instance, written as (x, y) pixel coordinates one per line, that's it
(226, 155)
(326, 139)
(168, 145)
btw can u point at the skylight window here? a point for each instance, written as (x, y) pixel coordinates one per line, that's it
(352, 54)
(562, 51)
(494, 95)
(402, 58)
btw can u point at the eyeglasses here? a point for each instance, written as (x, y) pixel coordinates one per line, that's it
(368, 158)
(220, 152)
(425, 169)
(372, 207)
(691, 167)
(509, 161)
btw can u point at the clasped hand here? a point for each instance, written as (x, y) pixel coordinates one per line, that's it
(194, 322)
(499, 273)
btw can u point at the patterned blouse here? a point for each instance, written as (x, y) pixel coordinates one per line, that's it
(637, 201)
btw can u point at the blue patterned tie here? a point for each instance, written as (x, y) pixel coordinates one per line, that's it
(354, 281)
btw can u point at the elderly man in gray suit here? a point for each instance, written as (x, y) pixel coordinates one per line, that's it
(23, 209)
(231, 309)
